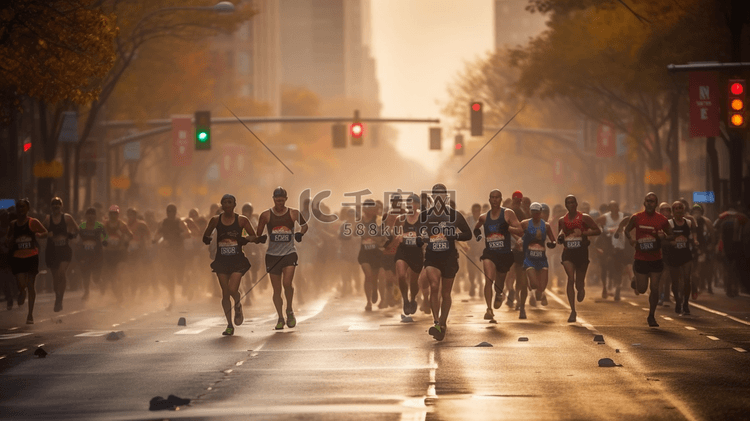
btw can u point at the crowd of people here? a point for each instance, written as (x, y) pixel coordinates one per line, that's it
(413, 252)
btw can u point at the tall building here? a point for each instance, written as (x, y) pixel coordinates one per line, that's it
(514, 25)
(326, 47)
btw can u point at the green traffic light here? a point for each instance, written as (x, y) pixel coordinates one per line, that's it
(202, 136)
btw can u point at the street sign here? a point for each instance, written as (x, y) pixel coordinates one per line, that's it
(182, 144)
(132, 151)
(69, 130)
(703, 197)
(704, 104)
(606, 145)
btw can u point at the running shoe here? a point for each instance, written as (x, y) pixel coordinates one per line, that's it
(678, 307)
(522, 314)
(437, 332)
(686, 310)
(29, 320)
(581, 294)
(652, 322)
(532, 300)
(228, 332)
(511, 298)
(617, 294)
(632, 285)
(280, 324)
(407, 307)
(498, 301)
(414, 307)
(21, 298)
(374, 295)
(291, 321)
(58, 306)
(238, 316)
(368, 307)
(572, 318)
(544, 299)
(489, 315)
(605, 294)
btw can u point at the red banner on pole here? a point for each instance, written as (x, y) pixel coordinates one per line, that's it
(557, 171)
(182, 148)
(606, 143)
(704, 104)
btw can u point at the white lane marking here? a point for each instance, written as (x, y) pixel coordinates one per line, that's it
(719, 313)
(689, 328)
(132, 320)
(678, 404)
(21, 350)
(431, 387)
(210, 322)
(191, 331)
(239, 363)
(13, 335)
(713, 338)
(634, 304)
(644, 309)
(14, 328)
(40, 345)
(92, 334)
(3, 356)
(667, 318)
(115, 325)
(227, 371)
(740, 350)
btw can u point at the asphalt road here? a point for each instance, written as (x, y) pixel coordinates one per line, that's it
(341, 363)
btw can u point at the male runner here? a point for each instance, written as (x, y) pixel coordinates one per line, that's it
(497, 258)
(666, 278)
(650, 228)
(702, 254)
(679, 257)
(230, 263)
(91, 257)
(281, 256)
(22, 238)
(475, 250)
(174, 231)
(370, 256)
(615, 261)
(535, 230)
(574, 229)
(517, 275)
(440, 224)
(62, 228)
(118, 237)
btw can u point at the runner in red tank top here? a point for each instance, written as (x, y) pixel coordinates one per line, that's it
(651, 228)
(574, 229)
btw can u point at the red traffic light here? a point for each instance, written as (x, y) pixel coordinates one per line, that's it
(357, 130)
(476, 106)
(459, 146)
(26, 147)
(737, 88)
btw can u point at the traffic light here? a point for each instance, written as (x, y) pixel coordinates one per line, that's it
(436, 138)
(27, 147)
(459, 147)
(736, 106)
(477, 128)
(357, 130)
(202, 130)
(338, 133)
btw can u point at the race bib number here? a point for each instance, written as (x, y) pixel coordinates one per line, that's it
(60, 241)
(438, 243)
(89, 245)
(228, 248)
(496, 241)
(573, 242)
(369, 244)
(410, 239)
(536, 251)
(681, 243)
(281, 235)
(647, 244)
(23, 243)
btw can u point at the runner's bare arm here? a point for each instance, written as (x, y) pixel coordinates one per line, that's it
(245, 223)
(628, 228)
(621, 226)
(480, 221)
(71, 223)
(550, 234)
(209, 228)
(463, 226)
(301, 220)
(262, 222)
(37, 228)
(514, 225)
(593, 227)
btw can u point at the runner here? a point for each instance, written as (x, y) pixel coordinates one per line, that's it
(118, 237)
(615, 260)
(230, 263)
(409, 258)
(666, 279)
(58, 255)
(281, 256)
(389, 293)
(650, 228)
(497, 258)
(138, 254)
(574, 229)
(24, 253)
(93, 238)
(537, 270)
(174, 231)
(475, 251)
(252, 251)
(679, 257)
(440, 223)
(517, 275)
(370, 257)
(702, 254)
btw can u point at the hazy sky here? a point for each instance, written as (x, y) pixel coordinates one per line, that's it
(420, 46)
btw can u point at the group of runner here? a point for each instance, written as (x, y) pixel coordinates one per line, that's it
(410, 247)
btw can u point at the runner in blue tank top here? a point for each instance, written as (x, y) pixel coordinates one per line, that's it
(498, 223)
(535, 229)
